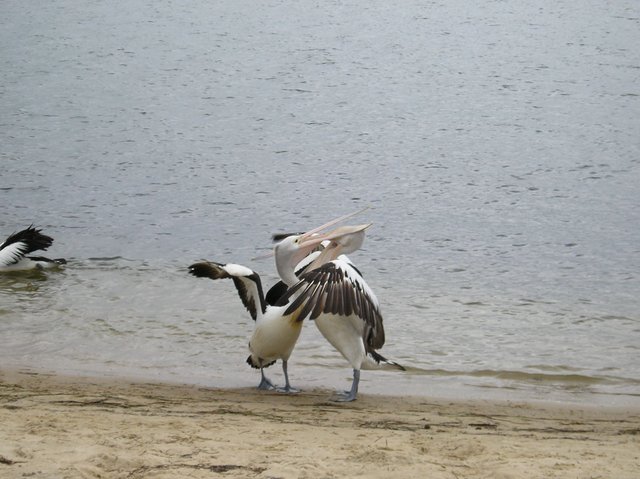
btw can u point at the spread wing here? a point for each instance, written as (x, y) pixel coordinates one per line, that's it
(337, 288)
(246, 281)
(280, 288)
(22, 243)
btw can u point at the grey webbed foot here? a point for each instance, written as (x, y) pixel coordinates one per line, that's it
(348, 396)
(287, 386)
(265, 383)
(344, 396)
(288, 390)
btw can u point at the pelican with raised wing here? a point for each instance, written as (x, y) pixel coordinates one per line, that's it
(14, 251)
(275, 333)
(333, 293)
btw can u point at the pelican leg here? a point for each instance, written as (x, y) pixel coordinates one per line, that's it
(287, 386)
(265, 383)
(350, 395)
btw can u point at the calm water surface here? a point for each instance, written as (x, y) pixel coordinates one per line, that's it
(498, 145)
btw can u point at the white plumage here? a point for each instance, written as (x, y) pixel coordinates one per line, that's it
(275, 334)
(329, 290)
(346, 312)
(14, 251)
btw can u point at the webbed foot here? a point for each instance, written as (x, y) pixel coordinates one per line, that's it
(265, 384)
(344, 396)
(348, 396)
(288, 390)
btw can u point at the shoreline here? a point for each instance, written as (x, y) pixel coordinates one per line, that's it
(65, 426)
(375, 384)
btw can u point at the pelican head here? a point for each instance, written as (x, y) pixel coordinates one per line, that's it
(294, 248)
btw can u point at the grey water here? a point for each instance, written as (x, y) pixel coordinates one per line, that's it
(497, 144)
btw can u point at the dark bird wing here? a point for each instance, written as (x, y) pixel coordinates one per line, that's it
(337, 288)
(246, 281)
(20, 244)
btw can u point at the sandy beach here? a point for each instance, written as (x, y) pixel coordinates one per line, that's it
(68, 427)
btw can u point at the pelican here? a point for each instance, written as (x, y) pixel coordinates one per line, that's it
(350, 237)
(14, 251)
(275, 333)
(332, 292)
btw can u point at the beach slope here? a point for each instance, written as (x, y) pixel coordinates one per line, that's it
(65, 427)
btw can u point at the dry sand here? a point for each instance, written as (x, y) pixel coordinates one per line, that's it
(61, 427)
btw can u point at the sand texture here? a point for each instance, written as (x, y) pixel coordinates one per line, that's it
(63, 427)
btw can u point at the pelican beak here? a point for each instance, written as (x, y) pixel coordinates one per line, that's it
(342, 239)
(312, 239)
(332, 222)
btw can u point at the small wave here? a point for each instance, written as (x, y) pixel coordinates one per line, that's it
(540, 377)
(524, 376)
(106, 258)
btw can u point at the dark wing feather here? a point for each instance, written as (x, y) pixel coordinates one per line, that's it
(300, 299)
(337, 288)
(310, 304)
(246, 299)
(278, 290)
(275, 292)
(284, 299)
(242, 282)
(280, 236)
(19, 244)
(32, 238)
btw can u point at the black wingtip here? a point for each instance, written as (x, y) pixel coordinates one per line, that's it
(208, 269)
(32, 237)
(379, 358)
(198, 269)
(277, 237)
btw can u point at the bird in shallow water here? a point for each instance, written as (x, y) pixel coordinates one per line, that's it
(275, 333)
(332, 292)
(14, 251)
(323, 286)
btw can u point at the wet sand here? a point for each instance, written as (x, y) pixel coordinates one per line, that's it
(69, 427)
